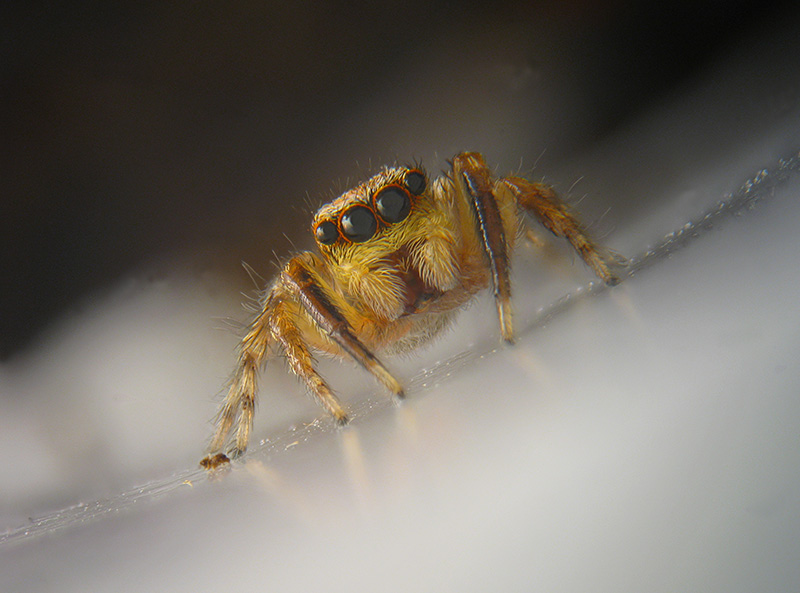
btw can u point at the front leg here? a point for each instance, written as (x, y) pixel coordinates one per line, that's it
(477, 178)
(302, 280)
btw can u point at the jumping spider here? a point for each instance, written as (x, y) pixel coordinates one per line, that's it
(398, 256)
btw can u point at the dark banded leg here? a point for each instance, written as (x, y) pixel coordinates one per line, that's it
(302, 283)
(477, 178)
(543, 202)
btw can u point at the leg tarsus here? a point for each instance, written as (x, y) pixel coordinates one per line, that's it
(505, 315)
(236, 452)
(225, 418)
(246, 410)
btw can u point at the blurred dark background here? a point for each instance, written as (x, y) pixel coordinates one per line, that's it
(136, 134)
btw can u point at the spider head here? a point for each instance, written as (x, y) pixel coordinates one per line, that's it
(373, 216)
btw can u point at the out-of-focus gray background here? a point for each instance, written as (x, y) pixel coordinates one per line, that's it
(139, 134)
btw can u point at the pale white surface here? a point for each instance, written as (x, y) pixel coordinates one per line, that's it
(643, 438)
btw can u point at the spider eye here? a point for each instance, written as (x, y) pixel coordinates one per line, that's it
(392, 203)
(326, 232)
(359, 224)
(415, 182)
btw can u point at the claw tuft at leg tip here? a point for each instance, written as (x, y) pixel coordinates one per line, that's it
(212, 462)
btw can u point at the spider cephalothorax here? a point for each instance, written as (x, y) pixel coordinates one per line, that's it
(399, 254)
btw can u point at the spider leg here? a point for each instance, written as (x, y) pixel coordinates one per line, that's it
(282, 321)
(239, 404)
(478, 181)
(301, 362)
(299, 277)
(543, 202)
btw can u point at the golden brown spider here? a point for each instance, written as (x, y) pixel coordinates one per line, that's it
(399, 255)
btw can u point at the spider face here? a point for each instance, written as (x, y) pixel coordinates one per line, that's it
(376, 241)
(369, 210)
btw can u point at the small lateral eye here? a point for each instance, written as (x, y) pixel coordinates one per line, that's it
(392, 204)
(359, 224)
(326, 232)
(415, 182)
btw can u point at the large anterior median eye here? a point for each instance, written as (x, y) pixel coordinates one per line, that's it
(392, 204)
(358, 224)
(326, 232)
